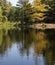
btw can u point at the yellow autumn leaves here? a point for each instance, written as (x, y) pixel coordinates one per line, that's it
(40, 10)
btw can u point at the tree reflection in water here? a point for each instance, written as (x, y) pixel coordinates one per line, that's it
(41, 42)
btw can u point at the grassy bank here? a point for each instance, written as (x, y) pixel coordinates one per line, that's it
(8, 25)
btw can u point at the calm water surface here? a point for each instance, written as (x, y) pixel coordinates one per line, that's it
(27, 47)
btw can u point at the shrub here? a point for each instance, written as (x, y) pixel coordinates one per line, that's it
(4, 19)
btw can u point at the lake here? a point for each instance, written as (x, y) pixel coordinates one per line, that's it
(27, 47)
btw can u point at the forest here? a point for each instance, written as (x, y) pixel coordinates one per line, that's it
(40, 11)
(27, 32)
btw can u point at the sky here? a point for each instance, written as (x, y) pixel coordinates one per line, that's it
(15, 1)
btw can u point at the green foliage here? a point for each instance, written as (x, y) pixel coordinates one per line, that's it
(11, 15)
(0, 19)
(0, 14)
(25, 13)
(41, 10)
(4, 10)
(4, 19)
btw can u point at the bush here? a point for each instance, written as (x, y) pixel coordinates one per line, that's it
(0, 19)
(4, 19)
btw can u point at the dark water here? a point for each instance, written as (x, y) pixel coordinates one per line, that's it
(27, 47)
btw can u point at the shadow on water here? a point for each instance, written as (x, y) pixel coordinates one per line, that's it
(37, 45)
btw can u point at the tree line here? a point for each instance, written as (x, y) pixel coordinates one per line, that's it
(25, 12)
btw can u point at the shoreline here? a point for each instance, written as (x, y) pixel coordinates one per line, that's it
(34, 26)
(43, 26)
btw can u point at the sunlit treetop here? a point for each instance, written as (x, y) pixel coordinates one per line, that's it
(40, 9)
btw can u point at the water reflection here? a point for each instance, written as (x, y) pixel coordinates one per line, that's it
(27, 46)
